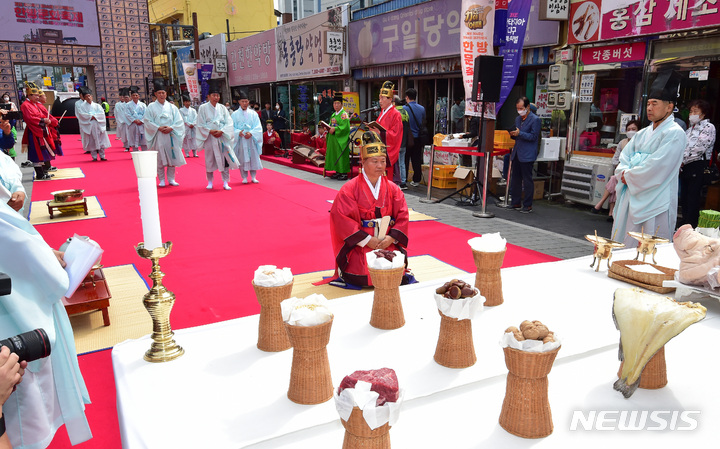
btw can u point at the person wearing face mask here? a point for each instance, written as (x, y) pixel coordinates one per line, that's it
(647, 193)
(631, 129)
(527, 136)
(698, 151)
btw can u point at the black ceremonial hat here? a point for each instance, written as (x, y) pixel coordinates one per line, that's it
(338, 97)
(159, 84)
(186, 97)
(242, 95)
(134, 90)
(666, 86)
(125, 92)
(215, 87)
(84, 91)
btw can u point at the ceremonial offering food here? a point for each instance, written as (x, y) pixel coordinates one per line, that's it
(389, 255)
(531, 330)
(457, 289)
(67, 196)
(384, 382)
(646, 323)
(310, 311)
(698, 256)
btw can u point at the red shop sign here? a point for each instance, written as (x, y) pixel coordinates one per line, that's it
(613, 53)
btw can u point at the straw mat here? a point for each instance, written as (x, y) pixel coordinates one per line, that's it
(425, 268)
(128, 317)
(39, 212)
(65, 173)
(413, 214)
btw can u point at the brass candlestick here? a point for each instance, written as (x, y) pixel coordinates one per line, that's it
(159, 302)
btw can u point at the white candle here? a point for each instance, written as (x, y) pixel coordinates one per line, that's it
(146, 170)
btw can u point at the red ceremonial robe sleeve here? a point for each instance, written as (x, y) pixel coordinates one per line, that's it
(354, 203)
(392, 122)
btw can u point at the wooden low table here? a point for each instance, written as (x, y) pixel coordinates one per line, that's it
(89, 297)
(70, 206)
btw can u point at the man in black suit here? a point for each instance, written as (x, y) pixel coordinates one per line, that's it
(266, 113)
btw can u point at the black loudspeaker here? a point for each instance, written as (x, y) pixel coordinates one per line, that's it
(488, 74)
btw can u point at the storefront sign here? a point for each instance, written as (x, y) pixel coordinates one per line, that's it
(476, 34)
(540, 32)
(613, 53)
(221, 64)
(71, 22)
(191, 80)
(700, 75)
(334, 42)
(541, 94)
(554, 9)
(426, 31)
(587, 88)
(592, 20)
(252, 59)
(211, 49)
(351, 104)
(517, 20)
(302, 49)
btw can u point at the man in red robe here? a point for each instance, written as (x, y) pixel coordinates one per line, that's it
(303, 137)
(356, 213)
(390, 119)
(36, 140)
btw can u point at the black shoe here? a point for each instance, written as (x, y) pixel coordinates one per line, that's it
(526, 210)
(342, 177)
(103, 159)
(334, 176)
(52, 168)
(46, 177)
(513, 206)
(594, 211)
(403, 186)
(26, 164)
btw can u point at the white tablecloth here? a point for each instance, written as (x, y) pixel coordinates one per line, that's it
(225, 393)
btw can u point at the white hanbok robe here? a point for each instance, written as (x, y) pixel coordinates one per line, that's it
(121, 122)
(52, 392)
(189, 116)
(218, 150)
(248, 151)
(168, 146)
(651, 162)
(93, 132)
(10, 178)
(135, 133)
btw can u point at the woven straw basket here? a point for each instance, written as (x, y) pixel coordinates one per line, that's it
(272, 336)
(654, 375)
(487, 278)
(455, 347)
(310, 381)
(526, 409)
(358, 434)
(387, 311)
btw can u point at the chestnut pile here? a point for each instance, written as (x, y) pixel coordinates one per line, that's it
(457, 289)
(532, 330)
(384, 253)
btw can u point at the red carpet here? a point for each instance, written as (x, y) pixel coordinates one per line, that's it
(219, 239)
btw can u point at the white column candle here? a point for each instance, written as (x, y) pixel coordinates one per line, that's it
(146, 170)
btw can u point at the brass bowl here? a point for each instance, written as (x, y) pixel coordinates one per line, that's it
(67, 196)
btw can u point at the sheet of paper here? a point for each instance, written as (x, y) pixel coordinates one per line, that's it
(80, 256)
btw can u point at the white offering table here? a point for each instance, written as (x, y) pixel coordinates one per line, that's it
(226, 393)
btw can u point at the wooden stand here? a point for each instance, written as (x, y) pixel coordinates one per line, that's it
(70, 206)
(93, 294)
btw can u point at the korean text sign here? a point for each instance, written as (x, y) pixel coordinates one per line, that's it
(613, 53)
(251, 60)
(476, 38)
(427, 30)
(73, 22)
(301, 46)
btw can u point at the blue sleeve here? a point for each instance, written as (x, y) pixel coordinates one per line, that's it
(534, 133)
(6, 140)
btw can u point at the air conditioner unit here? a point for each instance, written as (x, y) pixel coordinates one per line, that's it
(559, 77)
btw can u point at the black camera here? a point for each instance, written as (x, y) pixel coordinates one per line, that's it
(5, 284)
(29, 346)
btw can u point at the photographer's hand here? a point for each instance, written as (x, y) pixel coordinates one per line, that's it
(11, 373)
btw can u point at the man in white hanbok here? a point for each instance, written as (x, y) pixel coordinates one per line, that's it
(52, 392)
(248, 143)
(189, 115)
(647, 191)
(91, 118)
(165, 129)
(215, 134)
(121, 118)
(135, 111)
